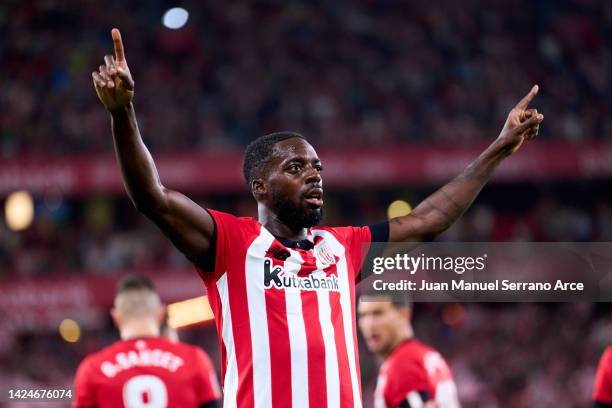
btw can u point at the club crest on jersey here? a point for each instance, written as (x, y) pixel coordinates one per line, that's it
(275, 277)
(324, 254)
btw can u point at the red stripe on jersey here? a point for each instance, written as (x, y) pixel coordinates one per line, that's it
(280, 346)
(317, 378)
(355, 343)
(241, 332)
(346, 388)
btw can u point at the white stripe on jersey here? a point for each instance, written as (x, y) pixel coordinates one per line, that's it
(230, 382)
(414, 399)
(347, 307)
(331, 351)
(297, 337)
(258, 319)
(329, 339)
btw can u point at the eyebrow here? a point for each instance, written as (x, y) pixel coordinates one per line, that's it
(301, 160)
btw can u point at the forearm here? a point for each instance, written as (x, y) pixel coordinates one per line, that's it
(137, 167)
(441, 209)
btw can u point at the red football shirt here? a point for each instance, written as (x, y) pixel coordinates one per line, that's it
(146, 373)
(413, 374)
(285, 316)
(603, 380)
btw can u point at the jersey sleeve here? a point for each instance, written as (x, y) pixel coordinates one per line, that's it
(602, 391)
(207, 386)
(229, 234)
(83, 387)
(357, 242)
(359, 245)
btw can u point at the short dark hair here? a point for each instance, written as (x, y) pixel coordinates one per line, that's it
(258, 154)
(135, 282)
(396, 298)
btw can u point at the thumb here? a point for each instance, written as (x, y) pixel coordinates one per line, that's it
(125, 76)
(531, 122)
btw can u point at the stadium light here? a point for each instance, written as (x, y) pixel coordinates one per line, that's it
(19, 210)
(188, 312)
(175, 18)
(70, 331)
(398, 208)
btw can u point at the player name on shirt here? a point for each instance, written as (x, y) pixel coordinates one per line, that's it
(143, 357)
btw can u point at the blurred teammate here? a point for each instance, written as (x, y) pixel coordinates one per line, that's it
(282, 289)
(602, 392)
(144, 370)
(413, 374)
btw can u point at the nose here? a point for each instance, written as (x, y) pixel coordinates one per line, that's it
(313, 176)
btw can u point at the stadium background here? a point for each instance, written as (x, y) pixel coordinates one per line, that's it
(397, 97)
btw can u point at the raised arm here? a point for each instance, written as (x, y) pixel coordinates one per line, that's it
(441, 209)
(185, 223)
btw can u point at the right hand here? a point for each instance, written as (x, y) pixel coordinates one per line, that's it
(113, 82)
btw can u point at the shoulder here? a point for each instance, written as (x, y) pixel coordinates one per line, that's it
(346, 235)
(410, 349)
(91, 363)
(223, 217)
(607, 355)
(102, 354)
(190, 351)
(412, 356)
(605, 362)
(232, 227)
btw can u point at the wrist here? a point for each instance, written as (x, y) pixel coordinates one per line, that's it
(121, 110)
(501, 148)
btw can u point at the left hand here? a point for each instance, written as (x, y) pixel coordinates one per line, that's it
(522, 124)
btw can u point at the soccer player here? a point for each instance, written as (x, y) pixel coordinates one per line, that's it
(281, 287)
(413, 374)
(602, 392)
(144, 370)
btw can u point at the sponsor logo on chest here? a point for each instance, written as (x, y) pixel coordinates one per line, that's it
(275, 276)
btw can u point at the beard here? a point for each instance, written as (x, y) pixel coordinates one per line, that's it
(293, 215)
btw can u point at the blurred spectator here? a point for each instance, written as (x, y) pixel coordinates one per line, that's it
(347, 72)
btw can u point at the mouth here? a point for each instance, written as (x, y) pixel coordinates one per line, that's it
(372, 339)
(314, 197)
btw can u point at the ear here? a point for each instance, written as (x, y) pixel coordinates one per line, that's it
(160, 314)
(259, 187)
(116, 316)
(406, 313)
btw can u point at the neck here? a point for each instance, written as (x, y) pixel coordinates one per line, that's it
(139, 328)
(278, 228)
(404, 335)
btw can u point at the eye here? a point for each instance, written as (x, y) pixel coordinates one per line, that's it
(294, 168)
(318, 168)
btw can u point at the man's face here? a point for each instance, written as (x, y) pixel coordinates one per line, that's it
(381, 324)
(294, 183)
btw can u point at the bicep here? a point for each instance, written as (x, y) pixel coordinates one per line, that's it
(189, 226)
(409, 228)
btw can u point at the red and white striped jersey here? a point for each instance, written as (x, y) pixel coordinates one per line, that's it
(413, 374)
(286, 317)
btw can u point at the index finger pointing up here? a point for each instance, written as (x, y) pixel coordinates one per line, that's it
(118, 44)
(528, 98)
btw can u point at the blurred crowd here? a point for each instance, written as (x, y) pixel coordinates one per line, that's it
(105, 235)
(358, 73)
(344, 72)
